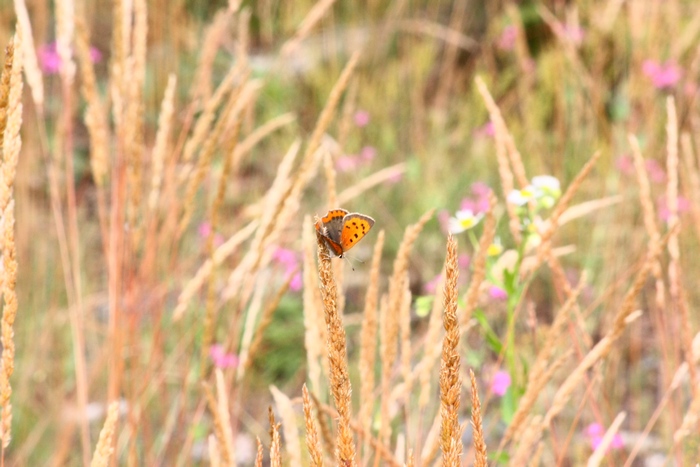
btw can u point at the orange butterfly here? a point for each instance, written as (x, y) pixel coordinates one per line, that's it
(341, 230)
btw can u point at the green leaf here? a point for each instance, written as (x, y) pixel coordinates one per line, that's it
(491, 338)
(424, 305)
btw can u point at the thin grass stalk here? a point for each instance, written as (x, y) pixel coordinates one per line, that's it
(479, 271)
(431, 346)
(259, 454)
(337, 357)
(312, 442)
(315, 14)
(313, 330)
(369, 182)
(29, 59)
(251, 317)
(104, 448)
(388, 346)
(675, 274)
(368, 340)
(11, 143)
(219, 428)
(275, 454)
(450, 381)
(480, 454)
(693, 179)
(597, 457)
(325, 427)
(213, 37)
(289, 427)
(597, 353)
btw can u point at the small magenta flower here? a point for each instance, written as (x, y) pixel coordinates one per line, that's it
(204, 230)
(595, 433)
(430, 287)
(575, 34)
(368, 153)
(662, 76)
(361, 118)
(497, 293)
(222, 359)
(50, 61)
(656, 173)
(464, 260)
(463, 220)
(500, 383)
(346, 163)
(508, 37)
(485, 130)
(289, 260)
(625, 165)
(664, 211)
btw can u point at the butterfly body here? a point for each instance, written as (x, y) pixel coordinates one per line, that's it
(341, 230)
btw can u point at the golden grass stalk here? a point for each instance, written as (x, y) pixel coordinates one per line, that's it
(275, 453)
(238, 101)
(213, 448)
(314, 334)
(330, 179)
(95, 117)
(324, 425)
(11, 110)
(397, 287)
(693, 179)
(259, 455)
(291, 435)
(450, 382)
(675, 276)
(314, 15)
(597, 353)
(220, 429)
(337, 358)
(480, 457)
(213, 36)
(260, 133)
(160, 149)
(504, 170)
(431, 347)
(29, 60)
(479, 270)
(602, 449)
(251, 317)
(537, 378)
(369, 182)
(383, 453)
(312, 441)
(221, 254)
(368, 339)
(105, 444)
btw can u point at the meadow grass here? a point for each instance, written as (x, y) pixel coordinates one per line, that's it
(166, 300)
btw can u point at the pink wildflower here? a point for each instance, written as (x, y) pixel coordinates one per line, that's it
(361, 118)
(595, 433)
(222, 359)
(497, 293)
(508, 37)
(500, 383)
(662, 76)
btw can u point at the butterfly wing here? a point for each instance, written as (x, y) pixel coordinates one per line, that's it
(355, 226)
(329, 228)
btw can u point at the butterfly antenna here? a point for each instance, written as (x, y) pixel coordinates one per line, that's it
(347, 258)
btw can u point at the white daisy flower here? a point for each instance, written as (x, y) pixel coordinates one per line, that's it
(463, 220)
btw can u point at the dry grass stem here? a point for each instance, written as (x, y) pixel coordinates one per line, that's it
(450, 383)
(291, 435)
(480, 457)
(368, 342)
(479, 271)
(160, 149)
(312, 441)
(330, 179)
(213, 37)
(11, 143)
(425, 368)
(397, 287)
(314, 335)
(220, 430)
(104, 449)
(379, 177)
(251, 317)
(259, 455)
(602, 449)
(29, 59)
(537, 377)
(337, 357)
(315, 14)
(275, 444)
(220, 255)
(213, 449)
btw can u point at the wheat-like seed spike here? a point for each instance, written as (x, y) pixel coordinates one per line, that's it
(289, 426)
(104, 449)
(450, 384)
(337, 357)
(480, 457)
(312, 441)
(219, 428)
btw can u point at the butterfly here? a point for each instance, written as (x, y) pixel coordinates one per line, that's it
(341, 230)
